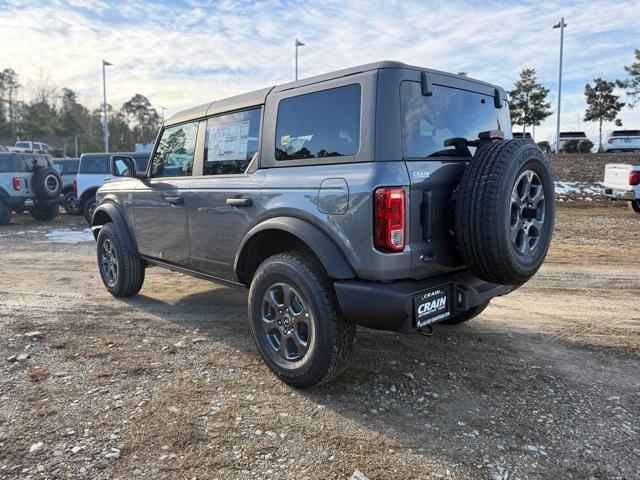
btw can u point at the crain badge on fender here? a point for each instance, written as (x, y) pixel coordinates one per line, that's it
(421, 174)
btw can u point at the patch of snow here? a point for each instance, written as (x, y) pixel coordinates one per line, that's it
(67, 235)
(578, 188)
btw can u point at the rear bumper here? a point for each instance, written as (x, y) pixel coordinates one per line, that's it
(23, 203)
(390, 306)
(620, 194)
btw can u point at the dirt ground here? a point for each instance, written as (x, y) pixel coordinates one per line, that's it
(168, 384)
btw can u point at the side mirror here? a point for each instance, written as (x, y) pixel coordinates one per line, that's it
(123, 166)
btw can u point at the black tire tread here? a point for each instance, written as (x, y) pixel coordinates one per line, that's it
(344, 329)
(634, 206)
(132, 267)
(479, 192)
(5, 213)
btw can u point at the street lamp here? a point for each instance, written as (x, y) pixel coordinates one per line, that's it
(561, 26)
(298, 44)
(105, 64)
(163, 109)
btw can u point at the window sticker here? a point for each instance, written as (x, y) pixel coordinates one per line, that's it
(228, 142)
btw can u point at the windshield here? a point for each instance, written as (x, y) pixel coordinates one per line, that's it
(450, 113)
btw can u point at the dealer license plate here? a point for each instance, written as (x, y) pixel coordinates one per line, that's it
(432, 306)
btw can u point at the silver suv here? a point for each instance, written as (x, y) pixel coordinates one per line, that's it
(385, 195)
(28, 182)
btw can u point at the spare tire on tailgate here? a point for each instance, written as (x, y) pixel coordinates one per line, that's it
(46, 183)
(505, 211)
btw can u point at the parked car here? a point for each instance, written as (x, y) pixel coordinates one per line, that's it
(31, 147)
(4, 148)
(68, 170)
(525, 135)
(385, 195)
(93, 172)
(28, 182)
(568, 136)
(622, 182)
(623, 141)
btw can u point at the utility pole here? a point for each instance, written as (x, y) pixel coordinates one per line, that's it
(76, 146)
(298, 44)
(105, 64)
(561, 26)
(162, 109)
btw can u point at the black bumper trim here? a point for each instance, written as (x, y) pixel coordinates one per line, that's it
(389, 306)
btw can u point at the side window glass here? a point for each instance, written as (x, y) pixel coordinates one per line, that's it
(232, 141)
(175, 152)
(320, 124)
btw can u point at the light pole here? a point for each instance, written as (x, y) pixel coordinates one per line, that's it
(561, 26)
(105, 64)
(298, 44)
(162, 109)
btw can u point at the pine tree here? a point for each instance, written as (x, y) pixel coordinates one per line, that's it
(632, 84)
(602, 104)
(528, 100)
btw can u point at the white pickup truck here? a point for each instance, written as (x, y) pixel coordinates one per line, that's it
(622, 182)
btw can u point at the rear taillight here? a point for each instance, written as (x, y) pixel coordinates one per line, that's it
(389, 219)
(634, 178)
(610, 140)
(17, 183)
(74, 185)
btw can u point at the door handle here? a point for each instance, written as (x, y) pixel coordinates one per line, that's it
(239, 202)
(177, 200)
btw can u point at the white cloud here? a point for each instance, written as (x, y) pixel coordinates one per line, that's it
(181, 55)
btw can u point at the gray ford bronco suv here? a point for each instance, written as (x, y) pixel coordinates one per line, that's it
(385, 195)
(28, 182)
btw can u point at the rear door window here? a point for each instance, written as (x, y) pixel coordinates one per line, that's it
(232, 141)
(319, 125)
(7, 163)
(430, 124)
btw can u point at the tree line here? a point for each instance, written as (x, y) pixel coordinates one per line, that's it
(56, 117)
(529, 105)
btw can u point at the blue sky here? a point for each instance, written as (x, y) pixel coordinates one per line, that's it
(181, 54)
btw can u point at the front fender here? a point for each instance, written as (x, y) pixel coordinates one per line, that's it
(110, 212)
(332, 259)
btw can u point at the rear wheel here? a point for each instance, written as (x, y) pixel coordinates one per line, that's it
(634, 205)
(46, 183)
(44, 212)
(71, 203)
(88, 207)
(295, 320)
(5, 213)
(467, 315)
(122, 271)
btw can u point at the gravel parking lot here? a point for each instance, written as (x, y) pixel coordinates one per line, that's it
(168, 384)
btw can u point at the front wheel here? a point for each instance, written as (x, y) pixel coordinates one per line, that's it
(71, 204)
(44, 213)
(634, 205)
(88, 207)
(122, 271)
(296, 322)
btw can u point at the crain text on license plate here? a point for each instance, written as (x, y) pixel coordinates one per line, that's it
(432, 306)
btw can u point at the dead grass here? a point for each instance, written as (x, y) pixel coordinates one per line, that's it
(38, 375)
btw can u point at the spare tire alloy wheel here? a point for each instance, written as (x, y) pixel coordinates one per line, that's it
(527, 212)
(287, 321)
(47, 184)
(505, 211)
(109, 263)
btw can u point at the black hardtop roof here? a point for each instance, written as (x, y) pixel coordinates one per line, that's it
(258, 97)
(573, 134)
(15, 154)
(625, 133)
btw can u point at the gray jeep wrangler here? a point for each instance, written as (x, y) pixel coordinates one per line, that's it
(384, 195)
(28, 182)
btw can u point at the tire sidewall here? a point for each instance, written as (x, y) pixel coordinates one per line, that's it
(86, 208)
(317, 359)
(526, 158)
(40, 184)
(44, 213)
(71, 210)
(107, 233)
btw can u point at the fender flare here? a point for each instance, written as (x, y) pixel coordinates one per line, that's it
(114, 214)
(332, 259)
(89, 192)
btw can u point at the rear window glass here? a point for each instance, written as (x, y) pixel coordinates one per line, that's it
(319, 125)
(7, 163)
(435, 126)
(71, 167)
(23, 145)
(37, 161)
(626, 133)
